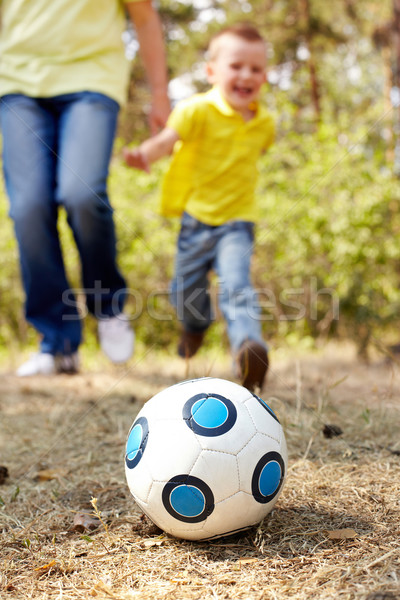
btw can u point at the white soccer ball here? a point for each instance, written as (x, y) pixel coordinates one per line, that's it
(205, 458)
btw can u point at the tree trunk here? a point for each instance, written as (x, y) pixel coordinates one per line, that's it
(396, 81)
(387, 100)
(314, 82)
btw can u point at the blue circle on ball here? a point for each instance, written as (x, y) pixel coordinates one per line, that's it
(188, 499)
(209, 415)
(268, 477)
(209, 412)
(136, 444)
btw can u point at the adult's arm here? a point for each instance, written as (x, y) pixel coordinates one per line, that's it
(152, 50)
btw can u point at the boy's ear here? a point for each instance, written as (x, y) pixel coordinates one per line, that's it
(210, 72)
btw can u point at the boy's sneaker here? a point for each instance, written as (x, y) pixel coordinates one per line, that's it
(43, 363)
(252, 361)
(116, 338)
(189, 343)
(67, 363)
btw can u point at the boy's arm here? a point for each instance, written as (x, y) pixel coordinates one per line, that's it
(152, 50)
(151, 150)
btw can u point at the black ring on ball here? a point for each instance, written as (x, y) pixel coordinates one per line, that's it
(209, 431)
(267, 408)
(142, 421)
(188, 480)
(255, 489)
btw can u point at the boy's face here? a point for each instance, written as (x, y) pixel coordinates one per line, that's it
(238, 69)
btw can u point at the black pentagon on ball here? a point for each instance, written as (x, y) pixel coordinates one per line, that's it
(137, 440)
(188, 499)
(213, 416)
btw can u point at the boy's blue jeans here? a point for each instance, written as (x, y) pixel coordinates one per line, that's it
(226, 249)
(56, 151)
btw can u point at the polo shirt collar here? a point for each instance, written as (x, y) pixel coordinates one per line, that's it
(216, 99)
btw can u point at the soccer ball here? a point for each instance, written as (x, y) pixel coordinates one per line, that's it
(205, 458)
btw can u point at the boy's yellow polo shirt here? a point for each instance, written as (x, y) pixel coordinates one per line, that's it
(213, 171)
(52, 47)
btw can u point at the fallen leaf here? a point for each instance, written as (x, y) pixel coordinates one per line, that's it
(46, 567)
(152, 543)
(341, 534)
(49, 474)
(331, 431)
(84, 521)
(247, 561)
(180, 577)
(3, 474)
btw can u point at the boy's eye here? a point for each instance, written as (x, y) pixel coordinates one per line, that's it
(235, 66)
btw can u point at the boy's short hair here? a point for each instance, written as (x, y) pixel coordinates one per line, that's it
(246, 31)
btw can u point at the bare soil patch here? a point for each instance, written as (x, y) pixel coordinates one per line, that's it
(334, 532)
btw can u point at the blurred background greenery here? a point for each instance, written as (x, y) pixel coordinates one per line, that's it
(327, 260)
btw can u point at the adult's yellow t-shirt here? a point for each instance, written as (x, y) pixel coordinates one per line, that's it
(213, 171)
(52, 47)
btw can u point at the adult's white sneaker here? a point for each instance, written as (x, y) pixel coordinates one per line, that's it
(40, 363)
(116, 338)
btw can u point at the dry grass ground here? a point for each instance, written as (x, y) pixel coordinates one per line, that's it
(334, 532)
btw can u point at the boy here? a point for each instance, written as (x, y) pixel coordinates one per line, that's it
(217, 138)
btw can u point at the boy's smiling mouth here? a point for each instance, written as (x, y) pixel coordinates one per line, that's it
(242, 91)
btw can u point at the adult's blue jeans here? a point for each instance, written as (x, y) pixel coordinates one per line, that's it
(56, 152)
(226, 249)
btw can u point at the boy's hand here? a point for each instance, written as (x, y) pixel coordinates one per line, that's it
(135, 158)
(151, 150)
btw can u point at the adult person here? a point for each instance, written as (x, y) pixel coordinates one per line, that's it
(63, 78)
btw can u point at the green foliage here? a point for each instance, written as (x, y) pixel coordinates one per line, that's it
(12, 324)
(329, 234)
